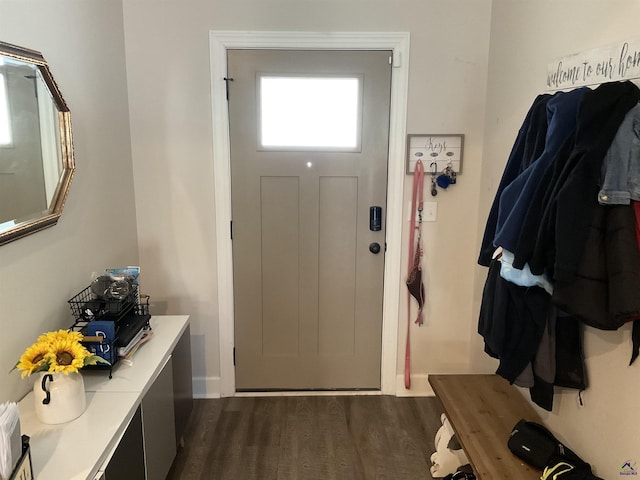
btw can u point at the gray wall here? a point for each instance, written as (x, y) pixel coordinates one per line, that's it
(525, 37)
(168, 70)
(475, 68)
(84, 45)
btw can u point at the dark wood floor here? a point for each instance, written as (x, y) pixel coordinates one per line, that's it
(309, 438)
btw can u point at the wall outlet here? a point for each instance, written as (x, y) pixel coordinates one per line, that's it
(429, 212)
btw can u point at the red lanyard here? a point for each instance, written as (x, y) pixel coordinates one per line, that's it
(415, 253)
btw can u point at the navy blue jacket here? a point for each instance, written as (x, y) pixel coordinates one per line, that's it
(562, 111)
(528, 145)
(569, 199)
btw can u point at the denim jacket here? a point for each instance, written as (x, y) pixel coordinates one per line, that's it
(621, 165)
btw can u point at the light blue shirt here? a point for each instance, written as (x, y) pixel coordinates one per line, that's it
(523, 277)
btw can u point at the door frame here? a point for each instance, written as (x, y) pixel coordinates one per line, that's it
(398, 42)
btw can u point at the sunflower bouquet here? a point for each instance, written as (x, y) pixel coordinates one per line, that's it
(54, 352)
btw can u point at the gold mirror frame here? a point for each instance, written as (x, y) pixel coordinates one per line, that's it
(48, 217)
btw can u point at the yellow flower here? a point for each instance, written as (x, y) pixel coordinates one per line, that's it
(59, 351)
(52, 337)
(67, 356)
(35, 359)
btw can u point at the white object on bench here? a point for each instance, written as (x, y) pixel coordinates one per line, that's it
(445, 460)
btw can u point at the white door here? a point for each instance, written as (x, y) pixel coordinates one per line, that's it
(307, 273)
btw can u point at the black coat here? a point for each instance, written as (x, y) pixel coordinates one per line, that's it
(605, 292)
(528, 146)
(568, 200)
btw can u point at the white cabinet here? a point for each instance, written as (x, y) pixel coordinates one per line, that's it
(128, 430)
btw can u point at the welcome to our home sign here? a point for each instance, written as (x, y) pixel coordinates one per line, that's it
(620, 61)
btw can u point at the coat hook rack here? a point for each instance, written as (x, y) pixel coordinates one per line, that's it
(443, 150)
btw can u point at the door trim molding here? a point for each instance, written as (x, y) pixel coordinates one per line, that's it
(398, 42)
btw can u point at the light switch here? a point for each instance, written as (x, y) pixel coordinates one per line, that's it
(430, 212)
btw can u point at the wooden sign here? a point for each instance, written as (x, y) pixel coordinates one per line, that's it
(620, 61)
(436, 152)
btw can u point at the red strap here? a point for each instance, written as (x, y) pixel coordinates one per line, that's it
(416, 204)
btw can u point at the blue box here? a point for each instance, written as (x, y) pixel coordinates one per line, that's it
(107, 330)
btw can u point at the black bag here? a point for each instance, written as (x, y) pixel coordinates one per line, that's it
(537, 446)
(533, 443)
(568, 466)
(460, 476)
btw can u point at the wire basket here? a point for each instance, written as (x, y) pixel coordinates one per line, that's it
(142, 306)
(108, 346)
(87, 306)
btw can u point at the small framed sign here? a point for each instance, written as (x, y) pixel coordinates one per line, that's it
(437, 151)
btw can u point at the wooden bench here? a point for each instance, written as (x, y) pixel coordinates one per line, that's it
(482, 410)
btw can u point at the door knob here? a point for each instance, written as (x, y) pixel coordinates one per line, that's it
(374, 248)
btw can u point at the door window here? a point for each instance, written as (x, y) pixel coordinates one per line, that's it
(309, 113)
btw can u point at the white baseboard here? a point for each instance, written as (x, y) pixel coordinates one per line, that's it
(310, 393)
(419, 386)
(206, 387)
(209, 387)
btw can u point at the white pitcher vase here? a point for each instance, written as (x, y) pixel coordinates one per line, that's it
(59, 397)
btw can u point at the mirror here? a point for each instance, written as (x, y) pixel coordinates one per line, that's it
(36, 149)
